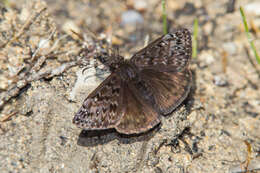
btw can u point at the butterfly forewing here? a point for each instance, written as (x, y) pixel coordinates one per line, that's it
(101, 109)
(170, 52)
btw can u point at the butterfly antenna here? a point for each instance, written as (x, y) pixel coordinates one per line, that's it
(117, 51)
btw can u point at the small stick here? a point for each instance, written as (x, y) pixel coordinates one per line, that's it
(7, 117)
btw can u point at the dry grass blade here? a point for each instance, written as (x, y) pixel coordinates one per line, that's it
(249, 152)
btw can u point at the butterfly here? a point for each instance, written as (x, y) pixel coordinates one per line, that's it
(138, 91)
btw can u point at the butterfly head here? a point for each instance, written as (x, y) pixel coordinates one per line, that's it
(113, 61)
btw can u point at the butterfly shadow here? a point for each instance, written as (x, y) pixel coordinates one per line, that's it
(189, 101)
(91, 138)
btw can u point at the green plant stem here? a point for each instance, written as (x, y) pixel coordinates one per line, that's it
(249, 35)
(194, 40)
(164, 18)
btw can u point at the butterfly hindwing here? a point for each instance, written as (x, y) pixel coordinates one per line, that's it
(138, 115)
(170, 52)
(168, 89)
(101, 109)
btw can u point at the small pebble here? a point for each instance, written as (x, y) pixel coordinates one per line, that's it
(25, 14)
(253, 8)
(131, 17)
(208, 28)
(140, 5)
(44, 43)
(220, 81)
(230, 47)
(206, 58)
(3, 83)
(231, 6)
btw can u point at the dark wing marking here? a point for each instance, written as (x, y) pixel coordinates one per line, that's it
(138, 115)
(102, 108)
(170, 52)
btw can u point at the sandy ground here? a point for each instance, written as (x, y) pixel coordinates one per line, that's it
(216, 129)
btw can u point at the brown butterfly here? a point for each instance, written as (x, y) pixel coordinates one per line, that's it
(152, 83)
